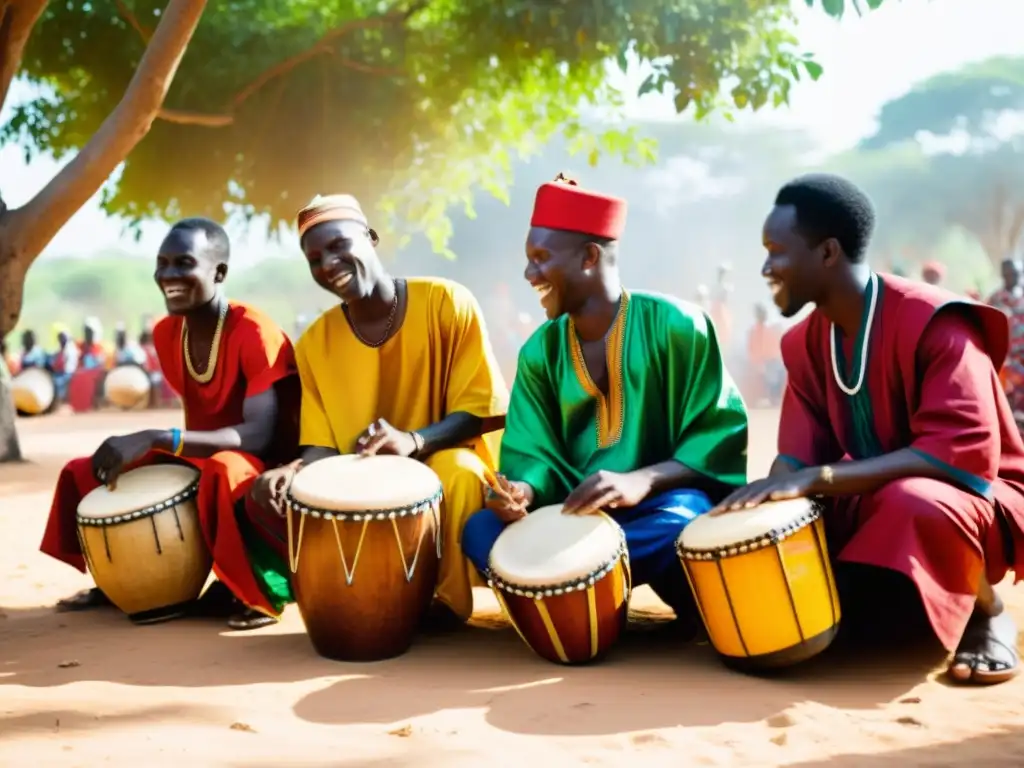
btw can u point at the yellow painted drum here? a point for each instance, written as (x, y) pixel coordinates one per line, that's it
(143, 543)
(127, 387)
(763, 583)
(564, 582)
(34, 392)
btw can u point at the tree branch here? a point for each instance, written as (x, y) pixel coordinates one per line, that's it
(185, 117)
(322, 47)
(17, 18)
(133, 21)
(44, 215)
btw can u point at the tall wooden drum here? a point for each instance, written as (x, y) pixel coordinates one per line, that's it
(364, 541)
(143, 543)
(34, 392)
(127, 387)
(763, 583)
(564, 582)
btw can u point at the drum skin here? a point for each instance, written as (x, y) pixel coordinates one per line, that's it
(769, 602)
(575, 627)
(34, 392)
(149, 562)
(128, 387)
(364, 586)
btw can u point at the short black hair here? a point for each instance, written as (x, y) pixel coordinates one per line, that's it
(216, 236)
(831, 206)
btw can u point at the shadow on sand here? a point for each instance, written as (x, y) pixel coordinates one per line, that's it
(651, 680)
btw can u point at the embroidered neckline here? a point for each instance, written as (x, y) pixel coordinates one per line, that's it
(610, 407)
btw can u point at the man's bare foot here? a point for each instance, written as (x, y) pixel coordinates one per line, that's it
(83, 601)
(987, 653)
(250, 619)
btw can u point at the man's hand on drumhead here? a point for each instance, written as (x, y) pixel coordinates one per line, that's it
(777, 488)
(607, 490)
(271, 488)
(510, 502)
(116, 453)
(382, 438)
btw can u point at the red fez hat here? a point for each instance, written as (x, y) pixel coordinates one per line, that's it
(561, 204)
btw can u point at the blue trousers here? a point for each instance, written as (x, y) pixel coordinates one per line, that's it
(651, 527)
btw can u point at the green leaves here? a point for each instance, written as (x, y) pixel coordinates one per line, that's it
(410, 112)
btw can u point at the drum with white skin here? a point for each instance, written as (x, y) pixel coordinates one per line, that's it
(364, 543)
(127, 387)
(564, 582)
(142, 541)
(763, 583)
(34, 392)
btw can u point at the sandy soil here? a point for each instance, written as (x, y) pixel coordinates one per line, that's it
(91, 689)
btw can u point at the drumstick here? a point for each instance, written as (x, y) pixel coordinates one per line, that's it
(496, 484)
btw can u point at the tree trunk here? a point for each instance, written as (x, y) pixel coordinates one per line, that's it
(10, 448)
(26, 231)
(12, 281)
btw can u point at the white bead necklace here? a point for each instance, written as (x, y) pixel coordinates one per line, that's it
(851, 391)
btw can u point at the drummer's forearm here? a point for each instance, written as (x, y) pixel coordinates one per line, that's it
(782, 466)
(668, 475)
(246, 438)
(853, 478)
(455, 429)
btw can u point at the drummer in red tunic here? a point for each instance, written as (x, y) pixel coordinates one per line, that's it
(894, 414)
(234, 370)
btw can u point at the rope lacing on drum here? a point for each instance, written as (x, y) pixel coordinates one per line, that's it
(433, 505)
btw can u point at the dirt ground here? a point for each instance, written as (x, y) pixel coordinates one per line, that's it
(92, 689)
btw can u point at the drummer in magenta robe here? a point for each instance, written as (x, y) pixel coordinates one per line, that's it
(235, 372)
(621, 401)
(400, 366)
(893, 413)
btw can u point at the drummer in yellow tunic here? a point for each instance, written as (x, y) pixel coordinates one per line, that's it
(402, 366)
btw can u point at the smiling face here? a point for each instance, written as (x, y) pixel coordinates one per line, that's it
(188, 270)
(796, 270)
(343, 259)
(556, 266)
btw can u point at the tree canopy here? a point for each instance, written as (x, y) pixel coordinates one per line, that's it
(412, 104)
(950, 152)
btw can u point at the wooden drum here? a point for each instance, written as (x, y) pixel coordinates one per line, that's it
(763, 583)
(364, 544)
(564, 582)
(143, 543)
(127, 387)
(34, 392)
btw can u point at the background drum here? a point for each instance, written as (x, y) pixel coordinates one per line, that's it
(763, 583)
(34, 392)
(128, 387)
(364, 544)
(564, 582)
(143, 543)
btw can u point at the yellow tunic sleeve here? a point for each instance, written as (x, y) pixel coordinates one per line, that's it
(314, 426)
(475, 383)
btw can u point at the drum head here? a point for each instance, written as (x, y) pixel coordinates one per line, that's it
(353, 483)
(138, 489)
(33, 391)
(547, 547)
(710, 533)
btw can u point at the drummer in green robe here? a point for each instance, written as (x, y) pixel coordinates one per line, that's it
(621, 401)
